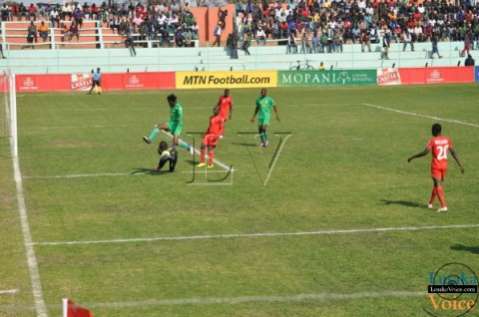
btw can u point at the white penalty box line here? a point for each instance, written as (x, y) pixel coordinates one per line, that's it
(414, 114)
(258, 235)
(238, 300)
(217, 162)
(258, 299)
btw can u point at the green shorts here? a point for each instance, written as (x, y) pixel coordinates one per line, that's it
(264, 121)
(175, 129)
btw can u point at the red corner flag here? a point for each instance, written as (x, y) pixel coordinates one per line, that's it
(70, 309)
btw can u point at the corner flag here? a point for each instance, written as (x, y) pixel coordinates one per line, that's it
(70, 309)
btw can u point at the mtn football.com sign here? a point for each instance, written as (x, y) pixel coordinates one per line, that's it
(250, 79)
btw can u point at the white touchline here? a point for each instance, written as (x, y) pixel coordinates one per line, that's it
(253, 299)
(259, 235)
(276, 159)
(474, 125)
(8, 291)
(27, 239)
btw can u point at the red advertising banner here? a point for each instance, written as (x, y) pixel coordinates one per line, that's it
(436, 75)
(83, 81)
(388, 76)
(3, 83)
(43, 83)
(139, 81)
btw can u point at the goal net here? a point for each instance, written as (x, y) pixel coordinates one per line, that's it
(8, 110)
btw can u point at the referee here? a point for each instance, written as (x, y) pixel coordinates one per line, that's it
(96, 81)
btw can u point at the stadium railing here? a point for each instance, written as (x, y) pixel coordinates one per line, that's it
(93, 34)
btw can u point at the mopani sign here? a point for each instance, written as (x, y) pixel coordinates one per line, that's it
(327, 77)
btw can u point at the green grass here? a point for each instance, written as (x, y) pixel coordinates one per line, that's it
(344, 167)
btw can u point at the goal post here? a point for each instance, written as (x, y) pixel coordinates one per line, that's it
(13, 122)
(8, 111)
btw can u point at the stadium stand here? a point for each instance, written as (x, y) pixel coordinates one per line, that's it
(171, 25)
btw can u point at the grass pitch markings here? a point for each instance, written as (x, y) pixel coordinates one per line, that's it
(259, 235)
(275, 158)
(8, 292)
(116, 174)
(415, 114)
(318, 297)
(259, 299)
(32, 263)
(86, 175)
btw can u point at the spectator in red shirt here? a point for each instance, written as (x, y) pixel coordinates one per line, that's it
(32, 11)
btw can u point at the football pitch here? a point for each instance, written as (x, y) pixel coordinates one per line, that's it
(329, 220)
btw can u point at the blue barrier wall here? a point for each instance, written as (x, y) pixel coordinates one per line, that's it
(188, 59)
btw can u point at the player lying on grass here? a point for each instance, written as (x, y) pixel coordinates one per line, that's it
(210, 138)
(167, 155)
(439, 146)
(225, 106)
(264, 105)
(174, 125)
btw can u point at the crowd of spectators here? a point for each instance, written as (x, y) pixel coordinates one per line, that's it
(167, 22)
(325, 25)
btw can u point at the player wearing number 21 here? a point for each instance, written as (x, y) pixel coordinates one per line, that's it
(439, 145)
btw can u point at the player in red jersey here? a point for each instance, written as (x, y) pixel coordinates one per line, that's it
(210, 138)
(225, 106)
(439, 146)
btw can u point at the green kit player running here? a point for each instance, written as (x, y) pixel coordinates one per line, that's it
(264, 105)
(174, 125)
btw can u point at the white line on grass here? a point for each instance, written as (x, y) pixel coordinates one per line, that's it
(253, 299)
(200, 171)
(283, 142)
(474, 125)
(314, 297)
(8, 291)
(110, 174)
(85, 175)
(259, 235)
(94, 126)
(27, 238)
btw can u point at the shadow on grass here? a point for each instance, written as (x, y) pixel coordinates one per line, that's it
(461, 247)
(245, 144)
(148, 171)
(404, 203)
(192, 162)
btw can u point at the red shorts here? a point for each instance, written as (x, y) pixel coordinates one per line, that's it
(438, 173)
(210, 140)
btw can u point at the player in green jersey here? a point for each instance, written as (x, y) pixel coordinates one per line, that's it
(174, 125)
(264, 105)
